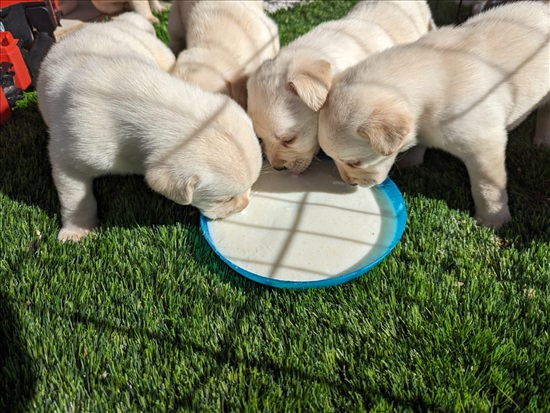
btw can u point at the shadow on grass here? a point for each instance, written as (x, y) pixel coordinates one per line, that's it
(445, 177)
(222, 352)
(17, 375)
(123, 201)
(449, 12)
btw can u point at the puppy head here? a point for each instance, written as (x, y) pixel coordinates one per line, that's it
(283, 101)
(363, 130)
(214, 168)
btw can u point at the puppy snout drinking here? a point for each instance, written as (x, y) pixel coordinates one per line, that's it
(243, 204)
(367, 183)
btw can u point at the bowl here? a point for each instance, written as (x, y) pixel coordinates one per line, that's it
(310, 231)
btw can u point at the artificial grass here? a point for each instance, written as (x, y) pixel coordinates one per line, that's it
(142, 316)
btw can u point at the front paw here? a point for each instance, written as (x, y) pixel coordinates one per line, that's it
(159, 7)
(153, 20)
(73, 234)
(495, 220)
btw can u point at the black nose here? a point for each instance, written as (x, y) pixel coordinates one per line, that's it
(279, 168)
(353, 184)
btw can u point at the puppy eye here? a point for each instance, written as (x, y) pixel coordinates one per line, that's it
(223, 201)
(289, 141)
(353, 164)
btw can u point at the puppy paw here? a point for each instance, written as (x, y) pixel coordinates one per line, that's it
(495, 221)
(72, 234)
(153, 19)
(158, 7)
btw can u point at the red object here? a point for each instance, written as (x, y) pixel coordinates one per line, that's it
(5, 110)
(14, 76)
(53, 5)
(10, 52)
(26, 34)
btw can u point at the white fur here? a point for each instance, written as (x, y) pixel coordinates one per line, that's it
(285, 94)
(111, 109)
(458, 89)
(143, 7)
(226, 42)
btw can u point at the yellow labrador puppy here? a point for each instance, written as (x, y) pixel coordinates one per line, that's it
(286, 93)
(457, 89)
(143, 7)
(111, 109)
(226, 41)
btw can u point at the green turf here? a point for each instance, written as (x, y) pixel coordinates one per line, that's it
(142, 316)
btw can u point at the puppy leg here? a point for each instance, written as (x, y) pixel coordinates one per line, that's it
(143, 8)
(68, 6)
(164, 57)
(542, 131)
(238, 90)
(78, 205)
(412, 157)
(176, 30)
(157, 6)
(487, 172)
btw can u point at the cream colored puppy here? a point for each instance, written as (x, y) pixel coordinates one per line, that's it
(143, 7)
(226, 41)
(111, 109)
(286, 93)
(182, 16)
(458, 89)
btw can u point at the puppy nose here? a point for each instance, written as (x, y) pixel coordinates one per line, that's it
(279, 168)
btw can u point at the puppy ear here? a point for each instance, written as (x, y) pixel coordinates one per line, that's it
(311, 80)
(163, 181)
(386, 130)
(187, 189)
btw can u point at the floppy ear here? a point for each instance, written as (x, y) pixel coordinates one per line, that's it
(386, 130)
(161, 180)
(311, 80)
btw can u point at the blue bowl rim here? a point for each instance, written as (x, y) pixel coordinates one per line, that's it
(398, 204)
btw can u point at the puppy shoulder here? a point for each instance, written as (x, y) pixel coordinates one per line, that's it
(135, 20)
